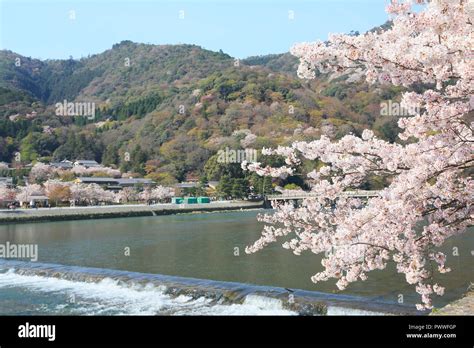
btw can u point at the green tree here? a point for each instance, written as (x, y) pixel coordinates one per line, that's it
(224, 188)
(261, 185)
(215, 170)
(111, 155)
(240, 188)
(138, 159)
(27, 149)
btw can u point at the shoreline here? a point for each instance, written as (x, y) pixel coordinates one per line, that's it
(462, 306)
(118, 211)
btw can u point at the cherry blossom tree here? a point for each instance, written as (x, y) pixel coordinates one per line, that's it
(106, 196)
(90, 194)
(248, 140)
(162, 192)
(57, 191)
(146, 195)
(42, 172)
(97, 171)
(7, 194)
(24, 192)
(158, 193)
(127, 194)
(80, 171)
(429, 170)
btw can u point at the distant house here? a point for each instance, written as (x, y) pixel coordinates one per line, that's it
(99, 181)
(64, 164)
(36, 199)
(115, 184)
(87, 164)
(135, 181)
(183, 185)
(6, 181)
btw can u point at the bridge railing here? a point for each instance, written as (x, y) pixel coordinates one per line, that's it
(302, 195)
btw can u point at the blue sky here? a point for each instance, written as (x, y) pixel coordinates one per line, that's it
(241, 28)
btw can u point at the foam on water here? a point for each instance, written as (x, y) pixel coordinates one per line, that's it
(109, 296)
(38, 288)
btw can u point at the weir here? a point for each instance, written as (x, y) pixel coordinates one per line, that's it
(300, 302)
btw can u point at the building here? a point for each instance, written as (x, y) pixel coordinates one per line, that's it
(87, 164)
(6, 181)
(115, 184)
(187, 185)
(134, 181)
(99, 181)
(37, 200)
(64, 164)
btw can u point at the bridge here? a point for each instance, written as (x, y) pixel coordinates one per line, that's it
(303, 195)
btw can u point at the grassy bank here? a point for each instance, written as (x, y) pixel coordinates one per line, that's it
(105, 212)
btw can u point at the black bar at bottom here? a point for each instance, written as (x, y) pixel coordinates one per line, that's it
(417, 330)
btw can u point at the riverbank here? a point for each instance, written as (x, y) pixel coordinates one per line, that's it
(463, 306)
(114, 211)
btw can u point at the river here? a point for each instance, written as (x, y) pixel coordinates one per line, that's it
(126, 261)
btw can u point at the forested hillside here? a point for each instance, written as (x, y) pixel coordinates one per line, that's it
(165, 111)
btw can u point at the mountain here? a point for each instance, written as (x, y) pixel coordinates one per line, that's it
(165, 110)
(284, 62)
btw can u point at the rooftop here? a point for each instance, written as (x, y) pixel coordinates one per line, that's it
(135, 181)
(61, 164)
(187, 184)
(6, 180)
(86, 161)
(95, 179)
(119, 181)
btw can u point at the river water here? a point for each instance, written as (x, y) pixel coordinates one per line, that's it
(129, 265)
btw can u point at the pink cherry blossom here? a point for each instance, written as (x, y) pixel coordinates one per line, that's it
(7, 194)
(158, 193)
(429, 176)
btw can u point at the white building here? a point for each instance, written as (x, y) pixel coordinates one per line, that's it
(87, 164)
